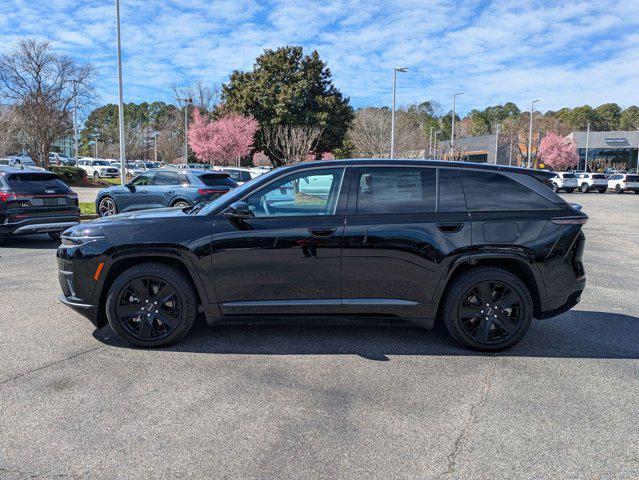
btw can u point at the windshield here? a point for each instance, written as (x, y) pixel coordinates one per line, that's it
(235, 193)
(101, 162)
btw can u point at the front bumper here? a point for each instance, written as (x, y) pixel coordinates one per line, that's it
(88, 311)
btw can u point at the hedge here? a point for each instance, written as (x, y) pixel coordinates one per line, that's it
(71, 175)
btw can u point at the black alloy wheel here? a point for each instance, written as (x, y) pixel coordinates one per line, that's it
(488, 309)
(151, 305)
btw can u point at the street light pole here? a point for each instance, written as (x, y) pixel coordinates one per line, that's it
(187, 102)
(75, 118)
(496, 142)
(430, 143)
(435, 144)
(155, 146)
(120, 98)
(452, 126)
(532, 108)
(587, 146)
(395, 70)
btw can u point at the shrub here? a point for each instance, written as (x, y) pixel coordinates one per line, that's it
(70, 175)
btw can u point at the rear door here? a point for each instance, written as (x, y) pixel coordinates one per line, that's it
(404, 225)
(163, 189)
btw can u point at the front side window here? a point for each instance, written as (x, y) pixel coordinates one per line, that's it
(488, 191)
(144, 179)
(302, 194)
(396, 190)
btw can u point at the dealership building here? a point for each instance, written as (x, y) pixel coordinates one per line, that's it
(616, 150)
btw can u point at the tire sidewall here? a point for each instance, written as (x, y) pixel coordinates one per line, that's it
(461, 285)
(171, 276)
(114, 204)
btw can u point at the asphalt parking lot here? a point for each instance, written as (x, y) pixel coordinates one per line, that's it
(318, 402)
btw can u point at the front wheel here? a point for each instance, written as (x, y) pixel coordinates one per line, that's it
(618, 189)
(55, 235)
(487, 309)
(96, 175)
(555, 188)
(602, 190)
(584, 188)
(151, 305)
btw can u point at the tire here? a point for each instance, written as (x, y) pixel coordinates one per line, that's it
(96, 174)
(570, 190)
(618, 189)
(136, 326)
(602, 190)
(555, 188)
(107, 207)
(584, 188)
(55, 235)
(493, 333)
(181, 204)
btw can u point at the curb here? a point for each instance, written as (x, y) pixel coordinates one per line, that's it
(92, 216)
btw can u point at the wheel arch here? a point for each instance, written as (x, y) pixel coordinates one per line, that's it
(514, 264)
(133, 258)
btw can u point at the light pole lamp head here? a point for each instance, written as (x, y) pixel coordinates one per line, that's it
(401, 69)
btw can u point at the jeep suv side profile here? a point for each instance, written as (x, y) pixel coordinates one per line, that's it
(482, 248)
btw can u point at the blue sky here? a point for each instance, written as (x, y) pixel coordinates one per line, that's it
(564, 53)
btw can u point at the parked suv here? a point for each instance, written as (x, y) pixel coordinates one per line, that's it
(98, 168)
(566, 181)
(32, 201)
(622, 182)
(482, 248)
(592, 181)
(163, 188)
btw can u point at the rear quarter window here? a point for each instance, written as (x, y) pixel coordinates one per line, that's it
(216, 179)
(489, 191)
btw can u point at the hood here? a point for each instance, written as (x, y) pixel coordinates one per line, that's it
(152, 214)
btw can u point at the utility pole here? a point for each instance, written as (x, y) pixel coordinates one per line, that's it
(430, 143)
(587, 146)
(395, 70)
(155, 146)
(496, 142)
(120, 98)
(532, 109)
(510, 151)
(435, 144)
(452, 125)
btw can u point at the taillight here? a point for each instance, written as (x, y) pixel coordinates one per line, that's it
(209, 191)
(7, 197)
(570, 221)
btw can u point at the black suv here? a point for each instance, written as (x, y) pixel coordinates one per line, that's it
(483, 248)
(33, 201)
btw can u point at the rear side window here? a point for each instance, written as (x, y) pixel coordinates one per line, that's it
(599, 176)
(216, 179)
(396, 190)
(451, 195)
(239, 175)
(632, 178)
(32, 183)
(569, 175)
(488, 191)
(166, 178)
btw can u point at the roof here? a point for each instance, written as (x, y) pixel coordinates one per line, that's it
(539, 174)
(8, 170)
(611, 139)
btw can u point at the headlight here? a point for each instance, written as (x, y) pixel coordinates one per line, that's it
(79, 236)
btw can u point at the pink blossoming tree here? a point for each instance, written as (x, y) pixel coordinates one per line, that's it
(558, 152)
(223, 141)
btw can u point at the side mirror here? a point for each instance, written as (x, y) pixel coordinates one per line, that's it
(130, 186)
(238, 211)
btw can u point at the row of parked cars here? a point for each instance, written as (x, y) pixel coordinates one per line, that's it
(586, 182)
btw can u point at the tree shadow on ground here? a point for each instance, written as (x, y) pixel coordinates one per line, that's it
(575, 334)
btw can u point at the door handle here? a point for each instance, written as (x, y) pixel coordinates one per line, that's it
(450, 227)
(322, 231)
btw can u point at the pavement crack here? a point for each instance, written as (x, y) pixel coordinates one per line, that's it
(57, 362)
(468, 424)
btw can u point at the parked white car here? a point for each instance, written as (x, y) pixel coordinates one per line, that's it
(622, 182)
(98, 168)
(592, 181)
(239, 174)
(566, 181)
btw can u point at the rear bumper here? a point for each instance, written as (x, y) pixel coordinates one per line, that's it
(33, 225)
(556, 305)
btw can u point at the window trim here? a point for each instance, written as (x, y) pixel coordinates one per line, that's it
(340, 204)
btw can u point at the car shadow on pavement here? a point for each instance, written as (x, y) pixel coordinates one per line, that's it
(30, 242)
(575, 334)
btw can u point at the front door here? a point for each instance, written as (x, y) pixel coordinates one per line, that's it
(137, 198)
(400, 237)
(286, 258)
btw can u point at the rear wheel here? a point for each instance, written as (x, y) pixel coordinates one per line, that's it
(55, 235)
(555, 188)
(107, 207)
(181, 204)
(151, 305)
(96, 174)
(618, 189)
(570, 190)
(487, 309)
(584, 188)
(602, 190)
